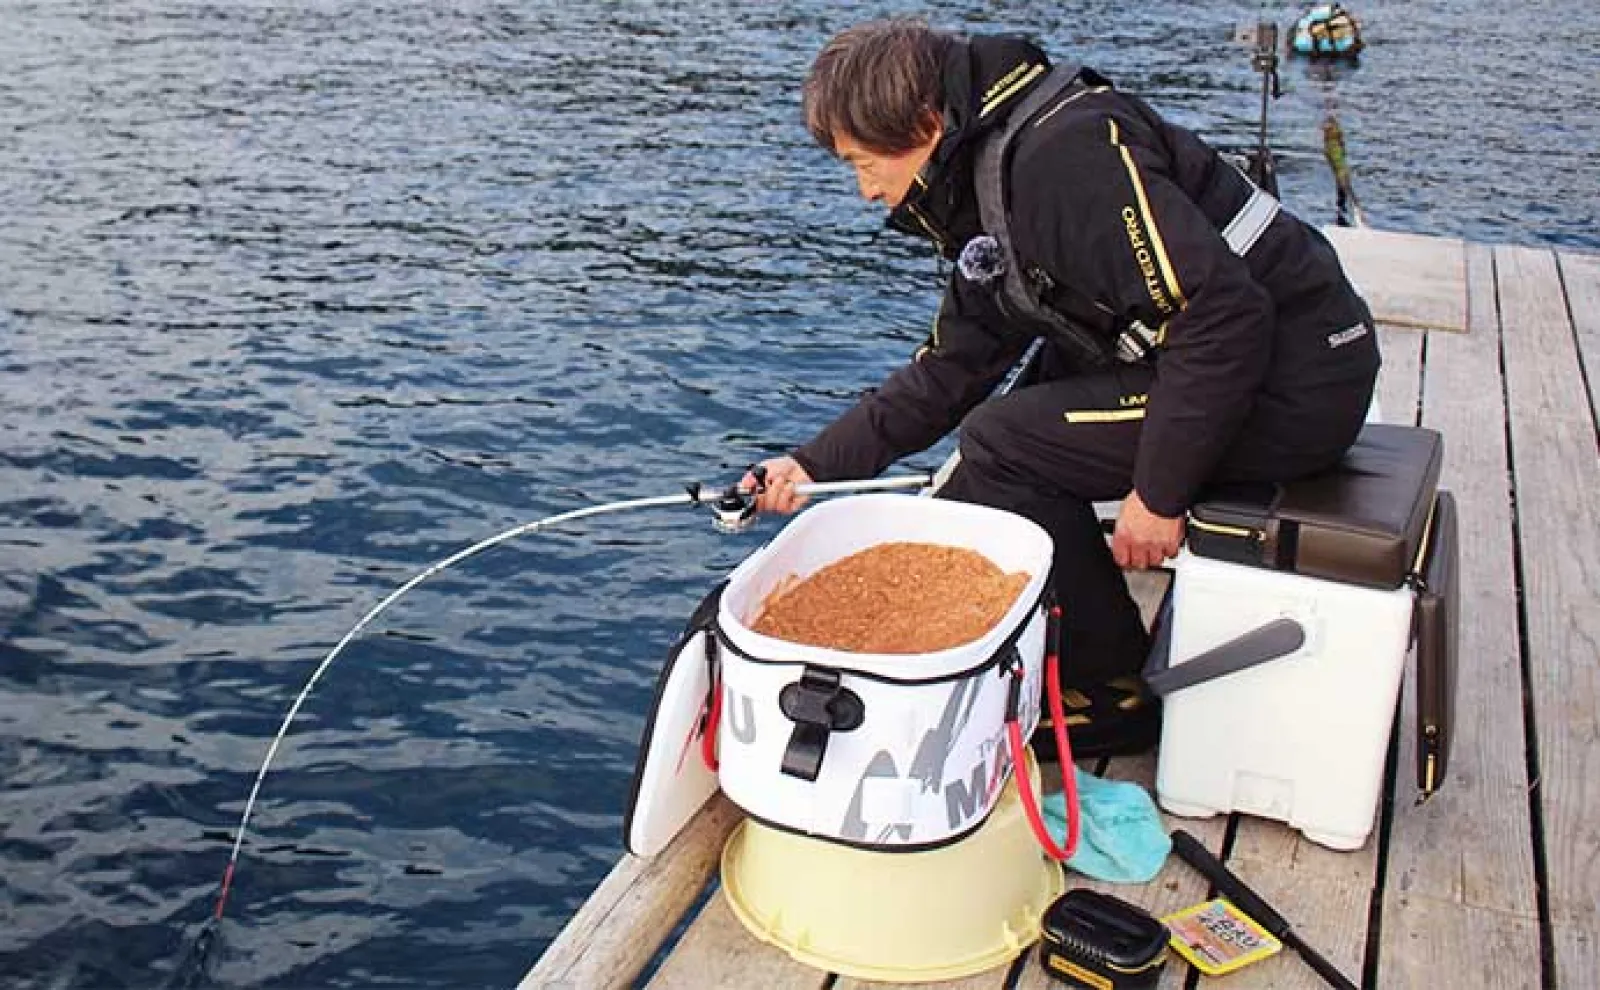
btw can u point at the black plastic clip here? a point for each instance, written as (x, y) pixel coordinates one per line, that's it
(1011, 666)
(818, 705)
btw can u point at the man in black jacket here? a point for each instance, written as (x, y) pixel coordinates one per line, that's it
(1193, 331)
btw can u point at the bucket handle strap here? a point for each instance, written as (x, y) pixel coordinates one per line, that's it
(702, 622)
(711, 716)
(1019, 754)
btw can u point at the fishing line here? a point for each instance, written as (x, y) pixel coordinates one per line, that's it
(734, 509)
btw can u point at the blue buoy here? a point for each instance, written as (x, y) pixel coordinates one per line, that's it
(1326, 31)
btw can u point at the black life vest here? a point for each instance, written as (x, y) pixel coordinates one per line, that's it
(1092, 334)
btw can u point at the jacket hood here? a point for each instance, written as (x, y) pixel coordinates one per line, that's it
(984, 77)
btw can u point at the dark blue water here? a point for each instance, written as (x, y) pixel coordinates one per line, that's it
(298, 298)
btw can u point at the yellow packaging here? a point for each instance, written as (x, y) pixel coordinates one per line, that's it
(1218, 938)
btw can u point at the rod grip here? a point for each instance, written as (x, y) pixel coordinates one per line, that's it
(1191, 851)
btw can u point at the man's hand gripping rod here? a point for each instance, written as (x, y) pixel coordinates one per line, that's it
(734, 508)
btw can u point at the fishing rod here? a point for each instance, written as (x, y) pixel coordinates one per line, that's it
(733, 510)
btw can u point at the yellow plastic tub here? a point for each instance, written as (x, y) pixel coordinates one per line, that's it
(897, 917)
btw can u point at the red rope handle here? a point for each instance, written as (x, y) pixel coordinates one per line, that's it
(1069, 783)
(708, 732)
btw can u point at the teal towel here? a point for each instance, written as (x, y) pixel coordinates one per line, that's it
(1120, 837)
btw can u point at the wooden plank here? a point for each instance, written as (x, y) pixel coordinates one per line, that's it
(1460, 884)
(1577, 952)
(1408, 280)
(1557, 479)
(1176, 886)
(1326, 895)
(619, 928)
(1472, 842)
(1580, 273)
(1400, 379)
(717, 951)
(1432, 933)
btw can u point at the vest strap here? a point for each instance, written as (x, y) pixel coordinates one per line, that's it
(1019, 291)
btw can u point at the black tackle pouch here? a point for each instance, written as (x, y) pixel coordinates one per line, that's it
(1099, 942)
(1436, 623)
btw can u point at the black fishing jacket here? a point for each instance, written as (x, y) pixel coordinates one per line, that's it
(1120, 220)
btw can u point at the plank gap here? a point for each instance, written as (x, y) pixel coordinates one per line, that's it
(1018, 965)
(1422, 381)
(1541, 877)
(1380, 875)
(1386, 807)
(1577, 342)
(669, 944)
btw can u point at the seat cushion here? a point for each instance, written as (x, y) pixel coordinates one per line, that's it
(1361, 522)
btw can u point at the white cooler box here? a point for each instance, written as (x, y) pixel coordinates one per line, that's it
(1280, 651)
(1301, 738)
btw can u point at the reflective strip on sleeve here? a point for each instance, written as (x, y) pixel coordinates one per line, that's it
(1247, 225)
(1069, 99)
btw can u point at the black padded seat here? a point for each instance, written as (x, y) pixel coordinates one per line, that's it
(1363, 522)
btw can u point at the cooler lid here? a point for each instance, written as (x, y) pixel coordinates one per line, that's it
(670, 779)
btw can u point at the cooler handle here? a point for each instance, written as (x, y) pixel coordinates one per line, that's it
(1278, 638)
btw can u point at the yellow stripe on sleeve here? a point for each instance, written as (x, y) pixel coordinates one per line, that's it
(1104, 415)
(1156, 242)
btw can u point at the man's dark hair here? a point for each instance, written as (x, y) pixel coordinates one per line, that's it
(877, 83)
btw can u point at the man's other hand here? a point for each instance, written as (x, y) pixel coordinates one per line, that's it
(783, 474)
(1142, 538)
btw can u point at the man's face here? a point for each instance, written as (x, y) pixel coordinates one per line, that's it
(884, 178)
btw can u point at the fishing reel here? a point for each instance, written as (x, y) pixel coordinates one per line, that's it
(734, 509)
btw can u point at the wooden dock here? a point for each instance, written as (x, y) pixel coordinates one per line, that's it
(1495, 882)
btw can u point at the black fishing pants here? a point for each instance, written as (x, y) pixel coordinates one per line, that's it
(1051, 450)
